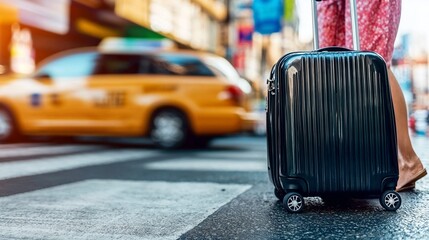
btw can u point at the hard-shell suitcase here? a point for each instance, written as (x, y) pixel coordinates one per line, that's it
(331, 126)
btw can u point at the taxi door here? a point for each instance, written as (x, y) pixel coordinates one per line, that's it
(60, 105)
(112, 91)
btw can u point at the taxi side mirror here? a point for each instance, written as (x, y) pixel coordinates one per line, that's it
(41, 75)
(42, 78)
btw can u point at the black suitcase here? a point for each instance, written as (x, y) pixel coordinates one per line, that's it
(331, 127)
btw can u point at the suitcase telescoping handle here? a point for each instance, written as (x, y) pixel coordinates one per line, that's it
(355, 29)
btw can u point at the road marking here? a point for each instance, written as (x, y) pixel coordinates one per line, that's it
(113, 209)
(21, 145)
(259, 155)
(204, 164)
(55, 164)
(31, 151)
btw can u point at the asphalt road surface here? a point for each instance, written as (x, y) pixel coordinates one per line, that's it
(130, 190)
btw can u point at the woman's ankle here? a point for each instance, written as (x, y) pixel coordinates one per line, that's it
(410, 164)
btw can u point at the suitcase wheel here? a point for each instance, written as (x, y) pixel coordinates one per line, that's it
(293, 202)
(390, 200)
(280, 194)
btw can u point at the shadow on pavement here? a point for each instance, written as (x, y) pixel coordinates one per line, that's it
(141, 143)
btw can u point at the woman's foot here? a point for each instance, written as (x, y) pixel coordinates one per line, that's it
(407, 187)
(409, 174)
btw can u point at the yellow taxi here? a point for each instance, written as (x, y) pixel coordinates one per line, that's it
(173, 97)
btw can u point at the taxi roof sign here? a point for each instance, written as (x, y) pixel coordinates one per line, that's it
(135, 44)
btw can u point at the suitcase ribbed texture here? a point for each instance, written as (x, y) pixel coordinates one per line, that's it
(339, 127)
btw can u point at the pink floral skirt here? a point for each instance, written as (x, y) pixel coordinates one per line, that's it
(378, 25)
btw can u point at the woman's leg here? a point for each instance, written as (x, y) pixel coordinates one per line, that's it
(410, 166)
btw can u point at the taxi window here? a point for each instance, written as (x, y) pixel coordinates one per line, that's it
(117, 64)
(76, 65)
(175, 64)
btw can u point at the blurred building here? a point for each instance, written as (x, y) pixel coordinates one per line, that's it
(197, 24)
(258, 40)
(411, 67)
(33, 30)
(9, 16)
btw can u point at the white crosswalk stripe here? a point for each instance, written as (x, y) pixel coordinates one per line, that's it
(230, 161)
(29, 150)
(21, 145)
(111, 209)
(202, 164)
(54, 164)
(254, 155)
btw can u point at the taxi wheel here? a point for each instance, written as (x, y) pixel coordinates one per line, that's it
(169, 129)
(8, 129)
